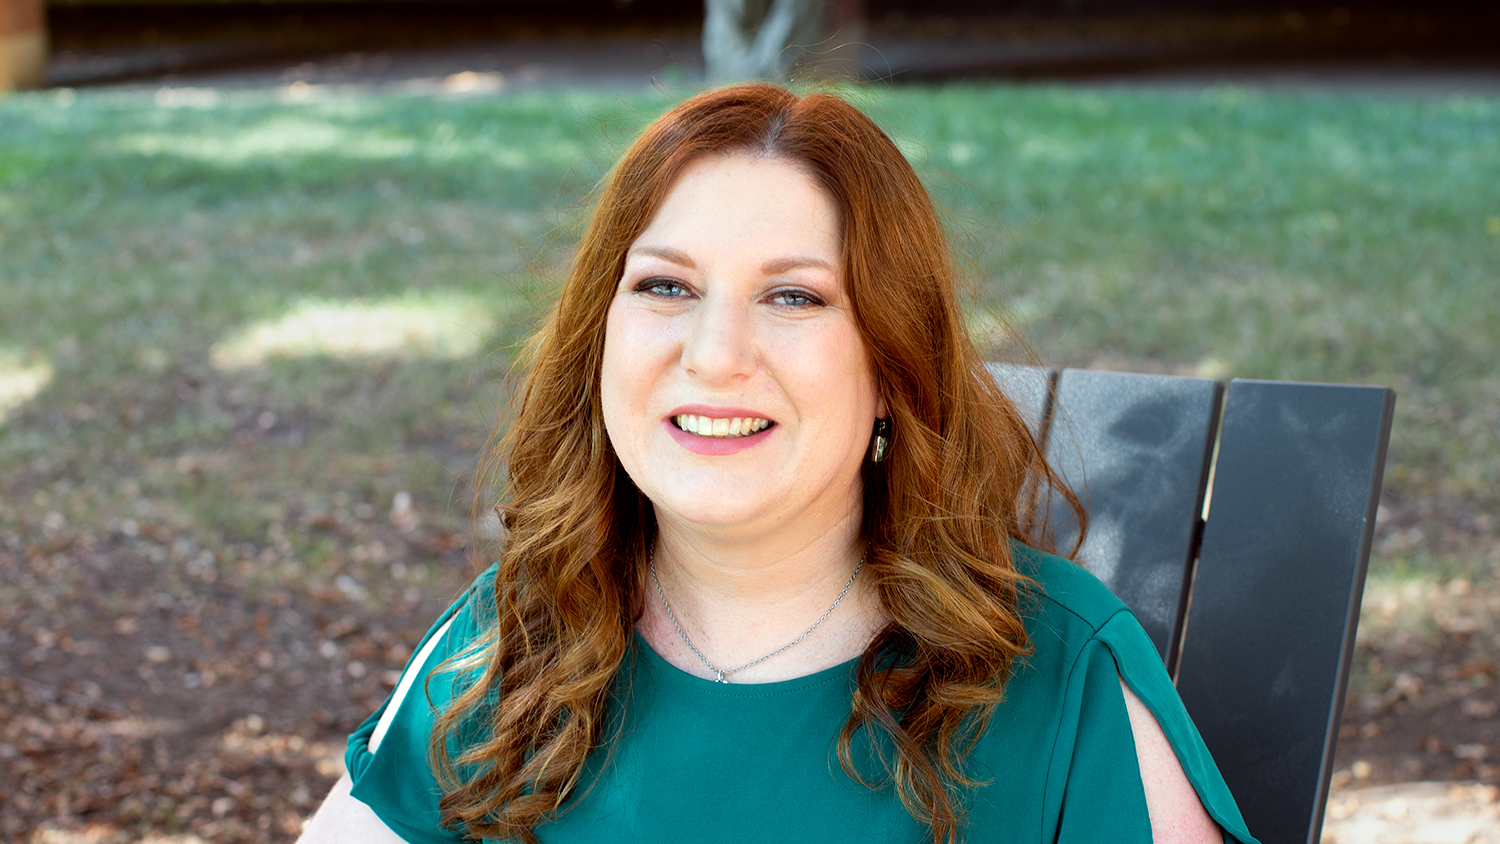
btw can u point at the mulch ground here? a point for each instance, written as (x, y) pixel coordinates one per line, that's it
(143, 696)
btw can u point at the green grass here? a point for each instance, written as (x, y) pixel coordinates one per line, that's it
(1230, 233)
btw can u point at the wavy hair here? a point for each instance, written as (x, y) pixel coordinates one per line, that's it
(963, 478)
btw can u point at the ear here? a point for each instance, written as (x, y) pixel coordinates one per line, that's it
(881, 411)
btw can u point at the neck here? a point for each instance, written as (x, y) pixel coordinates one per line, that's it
(739, 601)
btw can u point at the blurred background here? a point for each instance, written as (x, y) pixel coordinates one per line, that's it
(264, 268)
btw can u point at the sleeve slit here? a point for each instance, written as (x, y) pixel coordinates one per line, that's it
(413, 671)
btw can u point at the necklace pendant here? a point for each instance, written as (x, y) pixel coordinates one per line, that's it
(721, 678)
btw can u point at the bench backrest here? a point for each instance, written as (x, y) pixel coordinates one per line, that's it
(1254, 607)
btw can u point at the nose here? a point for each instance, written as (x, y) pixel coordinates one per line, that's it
(718, 346)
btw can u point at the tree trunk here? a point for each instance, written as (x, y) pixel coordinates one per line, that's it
(759, 39)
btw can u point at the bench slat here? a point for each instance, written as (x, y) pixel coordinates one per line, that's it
(1270, 629)
(1030, 388)
(1135, 449)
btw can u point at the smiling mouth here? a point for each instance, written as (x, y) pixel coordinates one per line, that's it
(737, 426)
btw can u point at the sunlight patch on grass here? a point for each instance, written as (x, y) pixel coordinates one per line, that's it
(186, 97)
(447, 327)
(288, 137)
(20, 381)
(1052, 148)
(276, 138)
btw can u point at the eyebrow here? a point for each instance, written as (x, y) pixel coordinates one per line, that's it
(776, 265)
(666, 253)
(781, 265)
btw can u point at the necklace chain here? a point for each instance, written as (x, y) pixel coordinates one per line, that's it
(722, 676)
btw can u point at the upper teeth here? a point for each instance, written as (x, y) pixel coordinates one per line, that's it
(737, 426)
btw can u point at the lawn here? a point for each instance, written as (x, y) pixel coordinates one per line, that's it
(250, 348)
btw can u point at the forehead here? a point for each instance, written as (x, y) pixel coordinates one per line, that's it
(753, 203)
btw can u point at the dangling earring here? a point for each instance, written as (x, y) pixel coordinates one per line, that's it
(882, 440)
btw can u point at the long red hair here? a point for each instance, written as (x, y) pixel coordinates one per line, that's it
(939, 513)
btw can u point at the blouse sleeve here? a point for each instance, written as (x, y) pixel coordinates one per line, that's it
(1100, 796)
(1141, 669)
(387, 755)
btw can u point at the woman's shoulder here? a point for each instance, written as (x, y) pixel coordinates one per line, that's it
(464, 619)
(387, 755)
(463, 622)
(1062, 595)
(1086, 643)
(478, 600)
(470, 615)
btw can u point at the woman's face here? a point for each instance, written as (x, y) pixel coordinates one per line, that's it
(737, 391)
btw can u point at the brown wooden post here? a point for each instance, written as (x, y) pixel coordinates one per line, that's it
(23, 44)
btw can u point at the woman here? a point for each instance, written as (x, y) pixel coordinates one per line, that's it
(764, 576)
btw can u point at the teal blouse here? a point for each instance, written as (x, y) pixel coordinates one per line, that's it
(698, 760)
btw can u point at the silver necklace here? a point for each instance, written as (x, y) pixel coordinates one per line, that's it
(722, 676)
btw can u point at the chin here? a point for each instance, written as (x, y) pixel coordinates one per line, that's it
(703, 511)
(714, 505)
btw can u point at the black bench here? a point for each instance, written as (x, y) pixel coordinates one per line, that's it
(1240, 546)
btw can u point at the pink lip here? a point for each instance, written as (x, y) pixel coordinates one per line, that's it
(714, 445)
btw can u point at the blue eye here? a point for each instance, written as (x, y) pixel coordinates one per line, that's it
(795, 298)
(663, 287)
